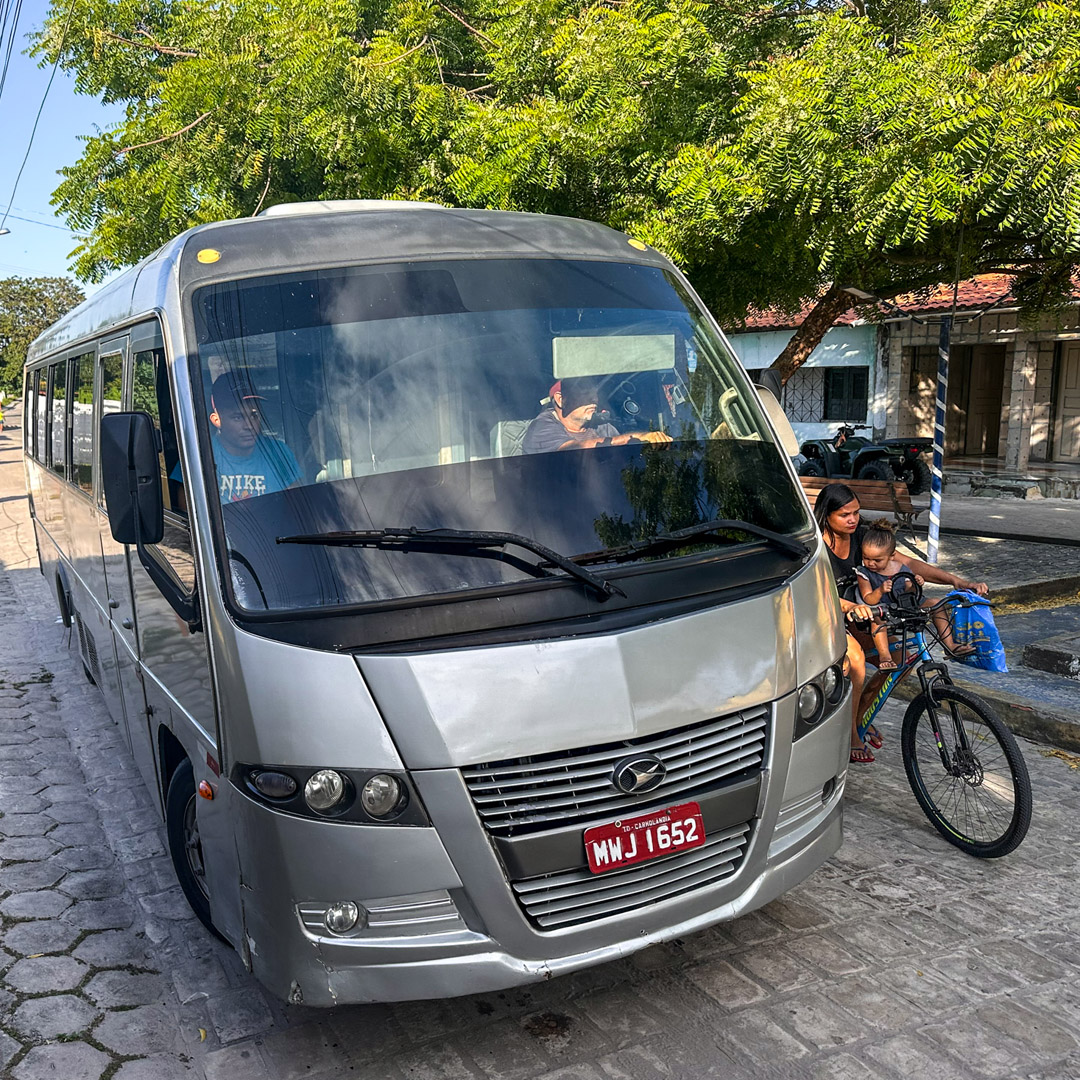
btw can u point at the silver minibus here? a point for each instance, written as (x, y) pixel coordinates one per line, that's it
(452, 588)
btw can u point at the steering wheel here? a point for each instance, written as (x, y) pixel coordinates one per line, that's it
(909, 597)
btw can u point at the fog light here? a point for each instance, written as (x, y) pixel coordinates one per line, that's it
(382, 795)
(341, 917)
(324, 790)
(809, 703)
(274, 785)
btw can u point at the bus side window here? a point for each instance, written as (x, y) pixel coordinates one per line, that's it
(112, 378)
(57, 413)
(82, 423)
(41, 377)
(150, 393)
(28, 412)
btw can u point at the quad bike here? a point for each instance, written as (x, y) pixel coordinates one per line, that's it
(849, 455)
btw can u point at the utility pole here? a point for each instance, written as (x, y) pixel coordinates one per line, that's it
(944, 340)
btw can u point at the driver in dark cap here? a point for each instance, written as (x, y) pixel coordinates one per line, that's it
(566, 424)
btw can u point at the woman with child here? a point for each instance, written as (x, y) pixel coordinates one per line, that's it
(845, 533)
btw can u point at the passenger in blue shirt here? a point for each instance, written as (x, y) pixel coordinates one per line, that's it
(248, 463)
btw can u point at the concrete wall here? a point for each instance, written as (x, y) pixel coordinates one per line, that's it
(1027, 404)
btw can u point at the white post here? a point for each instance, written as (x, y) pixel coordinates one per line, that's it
(939, 440)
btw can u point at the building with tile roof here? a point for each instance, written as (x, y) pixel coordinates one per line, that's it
(1014, 388)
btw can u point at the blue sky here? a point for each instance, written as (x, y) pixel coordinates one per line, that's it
(35, 246)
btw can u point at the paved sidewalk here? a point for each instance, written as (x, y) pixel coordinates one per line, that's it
(902, 959)
(1016, 517)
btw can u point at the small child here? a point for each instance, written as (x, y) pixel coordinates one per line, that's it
(875, 580)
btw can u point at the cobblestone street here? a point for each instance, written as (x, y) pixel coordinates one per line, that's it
(902, 958)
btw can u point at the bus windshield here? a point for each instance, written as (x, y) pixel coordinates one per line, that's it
(585, 407)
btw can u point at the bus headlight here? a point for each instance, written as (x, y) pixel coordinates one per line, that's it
(818, 698)
(809, 706)
(832, 684)
(383, 795)
(341, 795)
(324, 790)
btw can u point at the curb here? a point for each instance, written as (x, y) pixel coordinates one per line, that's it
(1037, 590)
(1038, 722)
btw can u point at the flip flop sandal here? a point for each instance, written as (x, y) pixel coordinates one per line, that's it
(962, 652)
(861, 756)
(873, 737)
(887, 665)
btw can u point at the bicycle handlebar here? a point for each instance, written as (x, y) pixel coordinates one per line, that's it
(890, 615)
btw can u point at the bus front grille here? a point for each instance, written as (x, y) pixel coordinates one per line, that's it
(547, 791)
(578, 896)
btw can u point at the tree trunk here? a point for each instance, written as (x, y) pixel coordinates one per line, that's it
(814, 327)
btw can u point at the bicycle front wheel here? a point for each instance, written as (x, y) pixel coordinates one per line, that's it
(974, 785)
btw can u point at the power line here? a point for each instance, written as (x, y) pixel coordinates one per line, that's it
(11, 34)
(33, 131)
(46, 224)
(46, 214)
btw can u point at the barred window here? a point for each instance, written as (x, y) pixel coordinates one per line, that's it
(846, 393)
(804, 395)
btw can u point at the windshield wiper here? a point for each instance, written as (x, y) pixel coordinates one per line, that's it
(451, 540)
(680, 538)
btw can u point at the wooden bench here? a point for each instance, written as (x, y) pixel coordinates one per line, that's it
(887, 496)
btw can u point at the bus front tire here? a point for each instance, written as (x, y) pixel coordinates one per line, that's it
(182, 828)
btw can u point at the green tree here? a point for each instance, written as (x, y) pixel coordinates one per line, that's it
(28, 306)
(541, 105)
(779, 151)
(953, 148)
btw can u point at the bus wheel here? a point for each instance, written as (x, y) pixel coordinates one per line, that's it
(182, 827)
(62, 603)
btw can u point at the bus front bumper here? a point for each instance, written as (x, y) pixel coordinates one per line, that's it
(317, 969)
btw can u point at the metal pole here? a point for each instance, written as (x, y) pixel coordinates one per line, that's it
(939, 440)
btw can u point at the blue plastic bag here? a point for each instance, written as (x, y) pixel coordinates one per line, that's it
(974, 625)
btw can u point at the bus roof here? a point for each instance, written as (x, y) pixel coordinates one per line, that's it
(299, 236)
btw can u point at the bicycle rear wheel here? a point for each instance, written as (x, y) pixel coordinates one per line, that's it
(981, 800)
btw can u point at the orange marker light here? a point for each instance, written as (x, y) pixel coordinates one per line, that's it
(205, 790)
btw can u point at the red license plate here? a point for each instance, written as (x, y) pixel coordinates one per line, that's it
(647, 836)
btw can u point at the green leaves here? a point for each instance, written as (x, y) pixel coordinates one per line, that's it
(769, 148)
(884, 145)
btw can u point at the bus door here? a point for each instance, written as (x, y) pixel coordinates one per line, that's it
(121, 687)
(174, 661)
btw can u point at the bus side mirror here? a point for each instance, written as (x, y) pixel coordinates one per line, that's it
(778, 418)
(131, 478)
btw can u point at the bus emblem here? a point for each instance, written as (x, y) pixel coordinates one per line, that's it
(637, 775)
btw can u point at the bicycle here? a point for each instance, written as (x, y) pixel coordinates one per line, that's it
(963, 764)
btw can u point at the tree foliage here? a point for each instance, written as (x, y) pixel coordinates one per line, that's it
(772, 148)
(28, 306)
